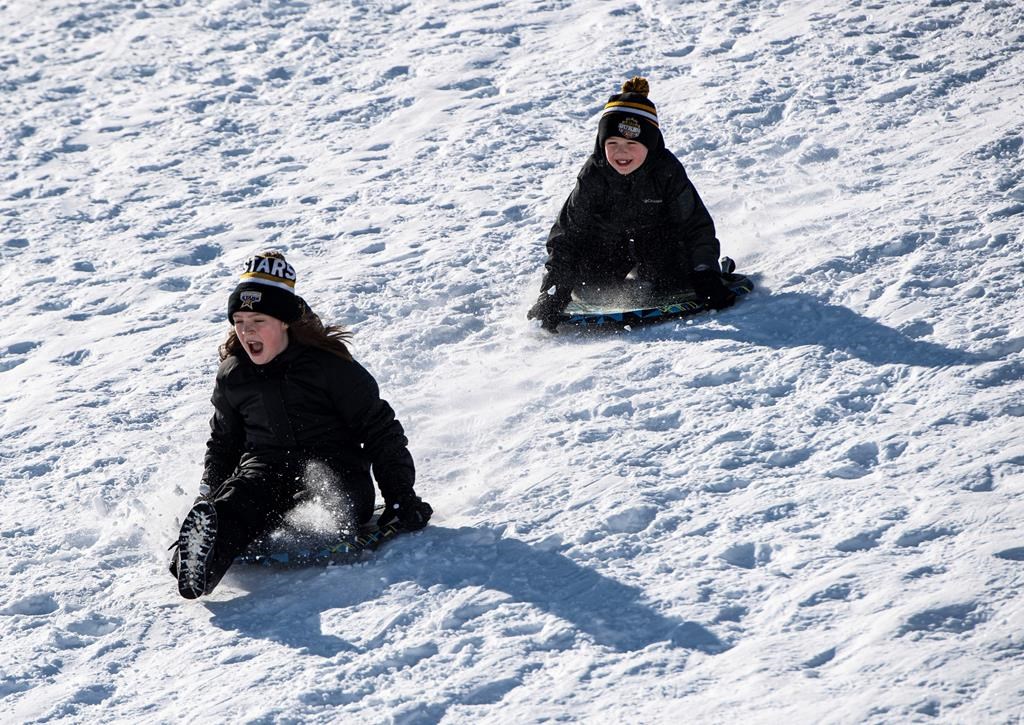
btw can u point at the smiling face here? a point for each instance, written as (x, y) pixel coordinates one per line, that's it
(623, 155)
(263, 337)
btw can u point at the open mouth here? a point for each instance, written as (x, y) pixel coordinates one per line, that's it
(255, 348)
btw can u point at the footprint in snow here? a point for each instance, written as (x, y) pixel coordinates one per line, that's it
(202, 254)
(470, 84)
(76, 357)
(113, 309)
(865, 455)
(174, 284)
(838, 592)
(862, 459)
(710, 380)
(37, 470)
(1014, 554)
(95, 625)
(726, 485)
(787, 458)
(732, 613)
(93, 694)
(916, 537)
(954, 618)
(862, 541)
(34, 605)
(21, 348)
(748, 555)
(822, 658)
(980, 480)
(924, 571)
(16, 354)
(631, 520)
(1001, 374)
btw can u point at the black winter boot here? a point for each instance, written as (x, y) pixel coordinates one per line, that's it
(195, 558)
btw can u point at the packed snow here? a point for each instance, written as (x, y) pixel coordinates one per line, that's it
(806, 507)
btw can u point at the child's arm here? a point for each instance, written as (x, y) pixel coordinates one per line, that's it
(561, 264)
(385, 444)
(567, 238)
(387, 447)
(699, 247)
(356, 395)
(226, 442)
(565, 246)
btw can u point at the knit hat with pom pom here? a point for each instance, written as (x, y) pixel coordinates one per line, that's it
(267, 286)
(631, 115)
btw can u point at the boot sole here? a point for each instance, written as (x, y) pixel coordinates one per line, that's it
(195, 550)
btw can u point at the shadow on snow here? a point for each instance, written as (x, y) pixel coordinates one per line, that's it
(794, 320)
(285, 606)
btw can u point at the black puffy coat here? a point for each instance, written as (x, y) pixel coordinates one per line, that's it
(307, 403)
(652, 219)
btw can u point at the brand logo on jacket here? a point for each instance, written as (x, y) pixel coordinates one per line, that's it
(653, 201)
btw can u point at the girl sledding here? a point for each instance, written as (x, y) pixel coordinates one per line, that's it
(288, 394)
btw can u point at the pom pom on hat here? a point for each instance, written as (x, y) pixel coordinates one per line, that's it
(637, 84)
(631, 115)
(268, 286)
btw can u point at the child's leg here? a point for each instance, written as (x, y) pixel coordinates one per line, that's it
(250, 503)
(660, 265)
(362, 496)
(357, 491)
(254, 501)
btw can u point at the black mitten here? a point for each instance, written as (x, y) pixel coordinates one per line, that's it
(547, 309)
(708, 285)
(408, 510)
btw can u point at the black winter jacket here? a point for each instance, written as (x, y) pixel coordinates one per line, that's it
(610, 223)
(307, 403)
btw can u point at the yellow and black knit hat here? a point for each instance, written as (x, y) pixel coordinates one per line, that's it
(631, 115)
(267, 286)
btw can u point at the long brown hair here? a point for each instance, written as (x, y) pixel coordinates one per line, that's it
(308, 330)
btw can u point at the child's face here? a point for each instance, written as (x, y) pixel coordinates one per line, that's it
(623, 155)
(263, 337)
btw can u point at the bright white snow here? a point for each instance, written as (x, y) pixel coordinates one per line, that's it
(807, 507)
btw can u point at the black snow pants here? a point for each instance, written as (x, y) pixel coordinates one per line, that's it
(255, 499)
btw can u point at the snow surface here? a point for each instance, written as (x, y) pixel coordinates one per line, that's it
(808, 507)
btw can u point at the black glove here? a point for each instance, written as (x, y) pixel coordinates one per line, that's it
(711, 291)
(547, 309)
(409, 511)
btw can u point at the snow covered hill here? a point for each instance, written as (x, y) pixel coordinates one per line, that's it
(808, 507)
